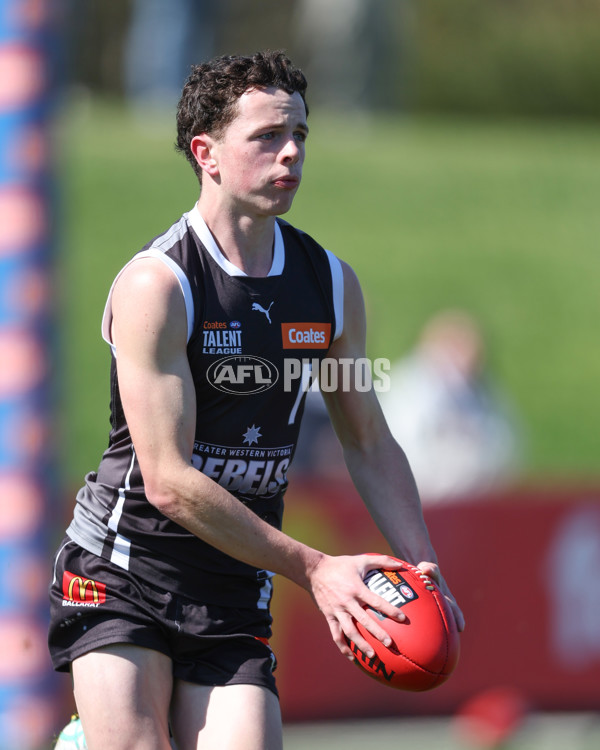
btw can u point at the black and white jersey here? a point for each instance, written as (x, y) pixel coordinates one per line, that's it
(252, 343)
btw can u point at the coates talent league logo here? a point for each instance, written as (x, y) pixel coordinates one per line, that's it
(82, 592)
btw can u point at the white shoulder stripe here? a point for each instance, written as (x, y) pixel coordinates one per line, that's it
(153, 252)
(337, 279)
(183, 283)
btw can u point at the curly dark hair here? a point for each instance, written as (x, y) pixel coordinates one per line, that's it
(210, 94)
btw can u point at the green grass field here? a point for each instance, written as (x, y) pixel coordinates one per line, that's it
(499, 218)
(537, 732)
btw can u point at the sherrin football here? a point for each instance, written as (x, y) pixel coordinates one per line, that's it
(425, 647)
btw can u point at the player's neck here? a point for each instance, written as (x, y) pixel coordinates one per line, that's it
(246, 242)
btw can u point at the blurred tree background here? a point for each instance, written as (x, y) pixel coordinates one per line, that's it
(530, 58)
(537, 58)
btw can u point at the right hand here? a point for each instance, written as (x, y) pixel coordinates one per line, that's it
(338, 589)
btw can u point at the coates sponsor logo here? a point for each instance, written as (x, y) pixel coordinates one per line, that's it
(220, 325)
(82, 592)
(305, 335)
(243, 375)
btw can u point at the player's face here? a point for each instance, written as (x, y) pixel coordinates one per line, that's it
(261, 152)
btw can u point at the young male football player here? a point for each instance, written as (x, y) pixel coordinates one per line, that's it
(160, 600)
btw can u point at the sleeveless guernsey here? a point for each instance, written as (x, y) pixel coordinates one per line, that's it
(251, 345)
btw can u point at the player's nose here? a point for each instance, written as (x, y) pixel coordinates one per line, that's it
(291, 151)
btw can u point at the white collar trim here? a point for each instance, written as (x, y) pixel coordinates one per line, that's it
(200, 227)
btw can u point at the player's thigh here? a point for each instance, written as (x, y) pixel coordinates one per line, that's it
(232, 717)
(123, 693)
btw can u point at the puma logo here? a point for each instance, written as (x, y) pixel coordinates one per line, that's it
(259, 308)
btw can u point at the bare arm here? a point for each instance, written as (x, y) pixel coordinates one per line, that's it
(377, 464)
(149, 333)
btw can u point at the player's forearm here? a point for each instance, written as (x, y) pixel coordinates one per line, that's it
(208, 511)
(382, 475)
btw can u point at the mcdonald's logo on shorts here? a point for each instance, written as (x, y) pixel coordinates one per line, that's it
(80, 590)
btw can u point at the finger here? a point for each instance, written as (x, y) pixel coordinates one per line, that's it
(431, 570)
(379, 604)
(341, 639)
(458, 615)
(372, 624)
(353, 634)
(372, 561)
(378, 594)
(374, 600)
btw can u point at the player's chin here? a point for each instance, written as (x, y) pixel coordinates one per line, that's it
(283, 196)
(285, 204)
(276, 208)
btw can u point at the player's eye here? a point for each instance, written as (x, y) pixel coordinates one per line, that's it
(300, 135)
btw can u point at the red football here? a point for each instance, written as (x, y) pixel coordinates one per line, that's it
(425, 647)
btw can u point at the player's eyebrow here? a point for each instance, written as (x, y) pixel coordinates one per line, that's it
(301, 125)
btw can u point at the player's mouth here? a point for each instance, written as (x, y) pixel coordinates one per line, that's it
(287, 182)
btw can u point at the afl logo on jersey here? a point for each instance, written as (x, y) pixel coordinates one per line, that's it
(242, 375)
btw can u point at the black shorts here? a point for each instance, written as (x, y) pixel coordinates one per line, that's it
(94, 603)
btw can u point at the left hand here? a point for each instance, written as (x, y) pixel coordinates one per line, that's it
(433, 571)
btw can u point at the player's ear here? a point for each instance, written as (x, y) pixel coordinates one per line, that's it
(202, 147)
